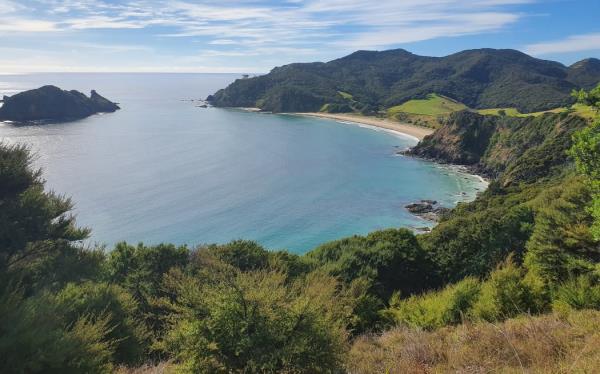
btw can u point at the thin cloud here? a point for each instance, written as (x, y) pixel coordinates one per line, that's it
(575, 43)
(251, 30)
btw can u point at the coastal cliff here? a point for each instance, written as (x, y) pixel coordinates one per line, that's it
(507, 149)
(50, 103)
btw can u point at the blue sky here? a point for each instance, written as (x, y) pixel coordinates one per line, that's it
(256, 35)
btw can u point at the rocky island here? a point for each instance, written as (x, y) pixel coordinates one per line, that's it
(50, 103)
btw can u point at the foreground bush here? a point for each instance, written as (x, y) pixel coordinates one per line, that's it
(548, 344)
(254, 322)
(506, 294)
(35, 337)
(436, 309)
(114, 305)
(579, 293)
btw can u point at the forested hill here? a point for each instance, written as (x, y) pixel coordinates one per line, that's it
(371, 81)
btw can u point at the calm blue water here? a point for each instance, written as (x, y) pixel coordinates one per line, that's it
(163, 170)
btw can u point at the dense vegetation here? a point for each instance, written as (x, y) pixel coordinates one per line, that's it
(372, 82)
(527, 245)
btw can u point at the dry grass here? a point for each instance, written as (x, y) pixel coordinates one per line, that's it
(547, 344)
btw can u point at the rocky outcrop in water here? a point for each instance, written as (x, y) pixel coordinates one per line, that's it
(50, 103)
(427, 209)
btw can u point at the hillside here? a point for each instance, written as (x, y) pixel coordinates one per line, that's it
(370, 81)
(53, 104)
(548, 344)
(509, 282)
(504, 148)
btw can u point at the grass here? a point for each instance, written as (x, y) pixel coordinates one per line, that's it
(427, 112)
(548, 344)
(578, 109)
(433, 105)
(346, 95)
(514, 112)
(324, 108)
(584, 111)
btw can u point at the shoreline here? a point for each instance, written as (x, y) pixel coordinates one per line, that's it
(412, 131)
(417, 133)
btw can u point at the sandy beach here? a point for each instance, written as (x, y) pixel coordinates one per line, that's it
(415, 131)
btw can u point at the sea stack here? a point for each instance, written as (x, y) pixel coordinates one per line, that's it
(50, 103)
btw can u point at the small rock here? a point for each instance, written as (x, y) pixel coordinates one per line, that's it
(419, 208)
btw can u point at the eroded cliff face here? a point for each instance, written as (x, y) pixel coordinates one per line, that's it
(53, 104)
(506, 149)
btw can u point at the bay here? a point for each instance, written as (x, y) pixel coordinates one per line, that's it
(163, 169)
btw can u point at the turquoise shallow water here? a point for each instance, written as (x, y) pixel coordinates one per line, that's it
(163, 170)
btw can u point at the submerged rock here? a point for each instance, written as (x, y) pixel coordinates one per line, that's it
(53, 104)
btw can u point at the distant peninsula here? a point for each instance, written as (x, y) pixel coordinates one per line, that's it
(380, 82)
(50, 103)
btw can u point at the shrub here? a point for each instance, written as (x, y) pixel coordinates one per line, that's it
(390, 259)
(580, 293)
(435, 309)
(253, 322)
(506, 294)
(35, 337)
(243, 254)
(120, 311)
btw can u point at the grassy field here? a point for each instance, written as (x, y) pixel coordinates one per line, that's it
(434, 105)
(514, 112)
(427, 112)
(581, 110)
(546, 344)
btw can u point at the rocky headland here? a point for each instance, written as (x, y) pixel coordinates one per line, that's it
(50, 103)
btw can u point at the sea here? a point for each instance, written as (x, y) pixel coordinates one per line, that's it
(163, 169)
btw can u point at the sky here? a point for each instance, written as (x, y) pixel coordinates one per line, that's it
(253, 36)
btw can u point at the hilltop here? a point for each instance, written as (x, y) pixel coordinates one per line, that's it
(53, 104)
(375, 81)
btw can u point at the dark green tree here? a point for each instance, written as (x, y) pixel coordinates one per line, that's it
(586, 151)
(36, 228)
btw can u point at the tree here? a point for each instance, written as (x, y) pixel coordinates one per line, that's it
(35, 225)
(586, 151)
(561, 245)
(38, 255)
